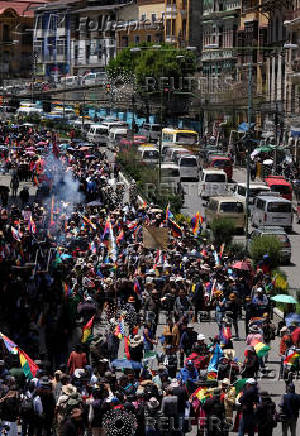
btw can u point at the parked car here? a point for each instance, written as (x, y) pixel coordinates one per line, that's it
(280, 233)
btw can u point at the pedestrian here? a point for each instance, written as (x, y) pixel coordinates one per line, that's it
(77, 359)
(290, 405)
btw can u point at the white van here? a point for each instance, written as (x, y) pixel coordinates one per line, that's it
(188, 167)
(115, 137)
(272, 210)
(98, 134)
(70, 81)
(229, 207)
(254, 189)
(213, 182)
(173, 153)
(170, 177)
(148, 154)
(152, 131)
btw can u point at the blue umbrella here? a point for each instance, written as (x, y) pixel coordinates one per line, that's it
(66, 256)
(292, 317)
(126, 364)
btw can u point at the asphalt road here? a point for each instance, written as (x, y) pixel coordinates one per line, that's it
(193, 204)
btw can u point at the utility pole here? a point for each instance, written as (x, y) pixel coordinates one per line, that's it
(248, 142)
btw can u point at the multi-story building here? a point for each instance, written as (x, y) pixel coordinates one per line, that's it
(75, 36)
(183, 22)
(139, 22)
(16, 21)
(219, 56)
(292, 62)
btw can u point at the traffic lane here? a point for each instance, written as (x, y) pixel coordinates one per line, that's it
(292, 270)
(192, 199)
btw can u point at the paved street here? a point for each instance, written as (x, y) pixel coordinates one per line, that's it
(193, 204)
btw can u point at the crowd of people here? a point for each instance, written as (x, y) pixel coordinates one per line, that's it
(113, 330)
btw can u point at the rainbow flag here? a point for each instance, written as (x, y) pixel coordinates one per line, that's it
(195, 223)
(136, 286)
(89, 222)
(106, 233)
(68, 290)
(9, 344)
(120, 329)
(87, 330)
(175, 229)
(169, 214)
(291, 359)
(29, 367)
(120, 237)
(260, 348)
(31, 225)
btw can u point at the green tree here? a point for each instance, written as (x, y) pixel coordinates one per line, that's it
(266, 244)
(223, 230)
(167, 62)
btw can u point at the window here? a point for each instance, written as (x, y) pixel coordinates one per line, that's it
(260, 204)
(186, 138)
(215, 178)
(188, 162)
(236, 207)
(149, 38)
(153, 17)
(60, 47)
(144, 17)
(124, 41)
(6, 33)
(150, 154)
(137, 39)
(283, 189)
(279, 207)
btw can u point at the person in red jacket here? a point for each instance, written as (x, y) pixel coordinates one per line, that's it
(77, 360)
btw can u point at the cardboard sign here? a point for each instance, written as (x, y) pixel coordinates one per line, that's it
(155, 238)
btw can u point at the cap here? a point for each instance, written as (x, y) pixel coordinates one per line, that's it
(251, 381)
(259, 290)
(200, 337)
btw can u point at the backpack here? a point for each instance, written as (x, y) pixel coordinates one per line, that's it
(27, 406)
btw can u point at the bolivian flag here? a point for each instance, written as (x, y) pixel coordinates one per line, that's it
(261, 349)
(87, 330)
(29, 367)
(291, 359)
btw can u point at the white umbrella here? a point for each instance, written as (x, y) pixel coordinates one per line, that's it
(254, 153)
(268, 162)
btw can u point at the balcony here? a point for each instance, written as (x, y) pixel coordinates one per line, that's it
(219, 54)
(228, 7)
